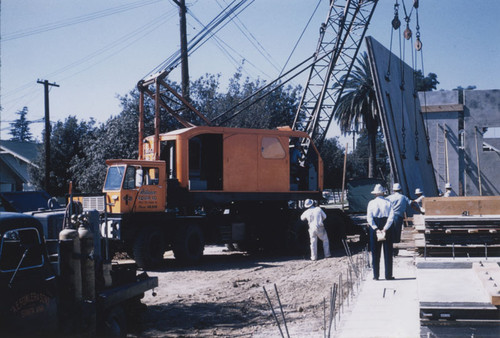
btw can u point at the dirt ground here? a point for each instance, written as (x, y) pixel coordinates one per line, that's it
(224, 296)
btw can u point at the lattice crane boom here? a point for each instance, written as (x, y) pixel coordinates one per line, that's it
(340, 38)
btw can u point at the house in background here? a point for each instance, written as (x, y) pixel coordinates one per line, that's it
(15, 159)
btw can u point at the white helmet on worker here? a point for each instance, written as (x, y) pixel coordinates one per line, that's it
(308, 203)
(378, 190)
(396, 187)
(418, 191)
(447, 186)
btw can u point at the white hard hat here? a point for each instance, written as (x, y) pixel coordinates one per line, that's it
(308, 203)
(378, 190)
(447, 186)
(418, 191)
(396, 187)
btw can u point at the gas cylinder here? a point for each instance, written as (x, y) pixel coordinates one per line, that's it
(87, 262)
(70, 267)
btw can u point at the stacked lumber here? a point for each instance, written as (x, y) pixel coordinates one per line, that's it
(459, 226)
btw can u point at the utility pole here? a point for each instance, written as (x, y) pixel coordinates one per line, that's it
(184, 52)
(46, 85)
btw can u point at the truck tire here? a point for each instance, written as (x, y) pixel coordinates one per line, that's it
(149, 248)
(189, 244)
(115, 323)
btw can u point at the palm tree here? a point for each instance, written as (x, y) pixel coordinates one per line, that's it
(357, 107)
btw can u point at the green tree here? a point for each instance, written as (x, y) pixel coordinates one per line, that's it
(276, 108)
(66, 143)
(357, 161)
(333, 163)
(427, 83)
(357, 107)
(20, 128)
(469, 87)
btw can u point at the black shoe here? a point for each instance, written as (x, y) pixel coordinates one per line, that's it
(390, 278)
(375, 278)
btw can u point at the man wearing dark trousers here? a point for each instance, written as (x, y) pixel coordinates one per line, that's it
(380, 216)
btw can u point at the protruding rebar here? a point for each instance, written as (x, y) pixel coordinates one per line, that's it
(281, 309)
(272, 310)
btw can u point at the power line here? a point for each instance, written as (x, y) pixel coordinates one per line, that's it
(206, 33)
(129, 38)
(253, 40)
(76, 20)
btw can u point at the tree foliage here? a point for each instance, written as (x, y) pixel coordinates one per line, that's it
(357, 161)
(66, 143)
(357, 107)
(20, 128)
(427, 83)
(333, 162)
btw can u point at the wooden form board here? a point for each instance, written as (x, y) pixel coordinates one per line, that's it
(473, 205)
(489, 274)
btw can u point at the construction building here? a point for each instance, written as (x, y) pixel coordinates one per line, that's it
(464, 139)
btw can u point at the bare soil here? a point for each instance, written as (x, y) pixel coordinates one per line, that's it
(224, 296)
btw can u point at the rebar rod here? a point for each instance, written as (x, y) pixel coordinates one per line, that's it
(281, 309)
(272, 310)
(324, 317)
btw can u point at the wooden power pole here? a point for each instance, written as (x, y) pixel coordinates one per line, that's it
(46, 85)
(184, 52)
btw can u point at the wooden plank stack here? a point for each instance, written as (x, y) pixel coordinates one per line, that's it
(459, 226)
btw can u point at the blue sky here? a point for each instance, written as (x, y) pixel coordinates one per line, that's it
(96, 50)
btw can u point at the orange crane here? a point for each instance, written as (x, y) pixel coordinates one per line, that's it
(215, 184)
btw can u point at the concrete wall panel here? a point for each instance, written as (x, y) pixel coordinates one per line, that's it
(402, 122)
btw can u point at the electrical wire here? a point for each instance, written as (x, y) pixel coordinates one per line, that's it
(201, 38)
(253, 40)
(129, 38)
(223, 46)
(76, 20)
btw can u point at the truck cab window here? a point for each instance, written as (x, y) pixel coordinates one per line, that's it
(20, 248)
(114, 178)
(129, 182)
(150, 176)
(167, 154)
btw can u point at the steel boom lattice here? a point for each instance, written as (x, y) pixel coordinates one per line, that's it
(340, 38)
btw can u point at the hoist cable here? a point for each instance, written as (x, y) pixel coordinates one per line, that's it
(300, 37)
(267, 86)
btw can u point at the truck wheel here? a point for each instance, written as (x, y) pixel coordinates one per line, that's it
(149, 248)
(189, 244)
(115, 324)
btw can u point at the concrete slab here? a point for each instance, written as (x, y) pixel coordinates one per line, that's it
(385, 308)
(450, 285)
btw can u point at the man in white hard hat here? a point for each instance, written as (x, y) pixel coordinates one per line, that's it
(380, 216)
(399, 204)
(419, 200)
(448, 191)
(314, 217)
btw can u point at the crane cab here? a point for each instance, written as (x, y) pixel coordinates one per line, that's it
(237, 160)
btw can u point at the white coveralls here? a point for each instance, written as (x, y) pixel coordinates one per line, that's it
(315, 217)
